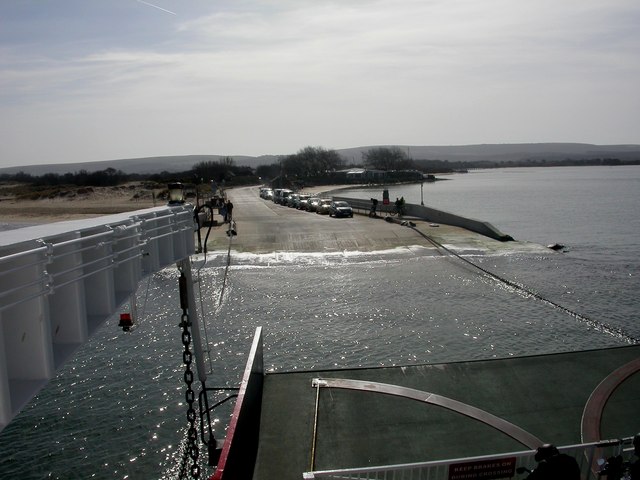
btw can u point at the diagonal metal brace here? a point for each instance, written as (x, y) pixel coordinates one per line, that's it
(513, 431)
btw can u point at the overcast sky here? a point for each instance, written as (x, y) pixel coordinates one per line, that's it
(86, 80)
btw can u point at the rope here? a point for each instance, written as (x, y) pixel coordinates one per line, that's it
(202, 314)
(226, 270)
(201, 299)
(611, 330)
(315, 428)
(146, 297)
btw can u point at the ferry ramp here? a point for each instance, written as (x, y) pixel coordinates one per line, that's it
(265, 227)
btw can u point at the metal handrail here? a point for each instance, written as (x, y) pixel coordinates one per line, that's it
(439, 469)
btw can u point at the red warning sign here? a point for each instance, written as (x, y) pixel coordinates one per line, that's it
(483, 469)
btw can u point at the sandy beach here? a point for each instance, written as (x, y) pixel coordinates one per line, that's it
(86, 202)
(77, 204)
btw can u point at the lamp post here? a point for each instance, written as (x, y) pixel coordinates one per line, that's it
(176, 193)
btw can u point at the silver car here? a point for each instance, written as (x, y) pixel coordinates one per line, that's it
(323, 206)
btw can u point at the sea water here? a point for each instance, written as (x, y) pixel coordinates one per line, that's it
(117, 410)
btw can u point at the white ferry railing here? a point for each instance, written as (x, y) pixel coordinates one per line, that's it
(590, 458)
(59, 282)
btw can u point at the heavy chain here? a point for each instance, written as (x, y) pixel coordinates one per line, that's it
(191, 449)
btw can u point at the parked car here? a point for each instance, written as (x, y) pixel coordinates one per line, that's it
(303, 198)
(323, 206)
(284, 196)
(281, 195)
(340, 209)
(312, 204)
(266, 192)
(293, 199)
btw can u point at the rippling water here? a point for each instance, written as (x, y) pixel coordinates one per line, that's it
(117, 410)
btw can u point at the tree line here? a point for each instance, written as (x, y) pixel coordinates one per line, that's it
(310, 165)
(221, 171)
(102, 178)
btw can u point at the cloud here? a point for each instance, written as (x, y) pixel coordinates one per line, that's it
(419, 39)
(314, 42)
(259, 77)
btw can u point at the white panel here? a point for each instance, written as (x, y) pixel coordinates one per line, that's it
(165, 241)
(26, 328)
(59, 282)
(127, 253)
(99, 288)
(66, 303)
(151, 256)
(5, 397)
(183, 244)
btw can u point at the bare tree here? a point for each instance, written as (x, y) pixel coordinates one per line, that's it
(213, 170)
(311, 162)
(387, 158)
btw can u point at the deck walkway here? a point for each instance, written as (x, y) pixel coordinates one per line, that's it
(544, 395)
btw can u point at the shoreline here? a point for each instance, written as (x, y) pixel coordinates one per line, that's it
(42, 211)
(96, 202)
(99, 202)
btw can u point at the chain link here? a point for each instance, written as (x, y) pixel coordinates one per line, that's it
(191, 449)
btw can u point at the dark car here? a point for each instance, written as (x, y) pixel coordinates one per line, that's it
(323, 206)
(340, 209)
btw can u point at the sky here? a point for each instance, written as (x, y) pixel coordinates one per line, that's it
(90, 80)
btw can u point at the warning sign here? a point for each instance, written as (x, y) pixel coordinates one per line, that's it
(483, 470)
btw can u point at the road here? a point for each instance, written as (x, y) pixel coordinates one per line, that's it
(265, 227)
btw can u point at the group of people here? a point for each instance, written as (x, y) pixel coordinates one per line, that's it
(399, 204)
(553, 465)
(225, 207)
(616, 468)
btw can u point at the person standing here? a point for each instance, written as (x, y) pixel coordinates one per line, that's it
(229, 211)
(223, 211)
(374, 205)
(553, 465)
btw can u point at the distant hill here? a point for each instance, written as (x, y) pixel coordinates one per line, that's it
(508, 152)
(467, 153)
(176, 163)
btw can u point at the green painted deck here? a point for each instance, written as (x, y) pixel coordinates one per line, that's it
(545, 395)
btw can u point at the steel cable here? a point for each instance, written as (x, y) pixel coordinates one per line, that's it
(611, 330)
